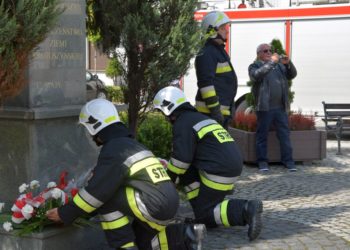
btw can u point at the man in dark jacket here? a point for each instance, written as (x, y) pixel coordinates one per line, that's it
(129, 189)
(216, 78)
(270, 74)
(205, 162)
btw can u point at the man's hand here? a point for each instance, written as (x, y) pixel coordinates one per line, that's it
(275, 58)
(284, 59)
(52, 214)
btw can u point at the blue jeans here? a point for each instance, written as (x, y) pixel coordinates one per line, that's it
(279, 118)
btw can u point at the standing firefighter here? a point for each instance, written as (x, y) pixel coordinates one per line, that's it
(205, 161)
(129, 189)
(216, 78)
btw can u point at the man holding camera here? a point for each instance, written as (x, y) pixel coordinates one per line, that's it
(270, 74)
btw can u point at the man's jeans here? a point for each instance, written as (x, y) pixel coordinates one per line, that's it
(279, 118)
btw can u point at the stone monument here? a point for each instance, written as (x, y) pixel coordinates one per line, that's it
(39, 131)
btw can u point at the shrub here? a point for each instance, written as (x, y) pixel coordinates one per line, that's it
(155, 133)
(297, 121)
(115, 94)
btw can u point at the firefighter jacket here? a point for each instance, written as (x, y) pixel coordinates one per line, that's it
(216, 80)
(262, 74)
(124, 163)
(202, 143)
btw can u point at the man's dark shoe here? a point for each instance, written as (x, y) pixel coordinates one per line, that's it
(291, 167)
(194, 234)
(252, 215)
(263, 166)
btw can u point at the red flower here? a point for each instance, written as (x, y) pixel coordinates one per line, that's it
(74, 191)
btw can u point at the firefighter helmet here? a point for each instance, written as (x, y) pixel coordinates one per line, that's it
(212, 21)
(98, 114)
(168, 99)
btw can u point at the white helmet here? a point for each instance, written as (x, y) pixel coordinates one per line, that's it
(212, 21)
(168, 99)
(98, 114)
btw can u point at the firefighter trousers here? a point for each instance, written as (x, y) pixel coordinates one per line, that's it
(127, 224)
(209, 204)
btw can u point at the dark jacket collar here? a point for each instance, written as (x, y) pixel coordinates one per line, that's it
(211, 41)
(114, 130)
(186, 107)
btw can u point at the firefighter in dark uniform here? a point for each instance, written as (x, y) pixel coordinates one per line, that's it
(129, 189)
(205, 161)
(216, 78)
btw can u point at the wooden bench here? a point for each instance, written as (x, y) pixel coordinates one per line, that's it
(337, 119)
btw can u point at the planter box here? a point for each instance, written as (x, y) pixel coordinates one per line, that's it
(56, 238)
(308, 145)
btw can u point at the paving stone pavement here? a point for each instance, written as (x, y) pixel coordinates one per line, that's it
(307, 209)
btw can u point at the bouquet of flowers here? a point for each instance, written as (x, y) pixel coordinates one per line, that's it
(29, 210)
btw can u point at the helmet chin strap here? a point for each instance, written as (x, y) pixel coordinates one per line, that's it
(221, 38)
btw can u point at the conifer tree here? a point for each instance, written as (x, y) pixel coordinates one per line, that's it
(23, 25)
(156, 40)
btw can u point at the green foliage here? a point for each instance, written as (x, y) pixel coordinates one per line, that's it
(158, 38)
(114, 68)
(156, 134)
(276, 47)
(23, 25)
(115, 94)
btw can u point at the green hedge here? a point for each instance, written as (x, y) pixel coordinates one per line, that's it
(115, 94)
(156, 134)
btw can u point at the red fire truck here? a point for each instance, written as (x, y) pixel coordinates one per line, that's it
(317, 38)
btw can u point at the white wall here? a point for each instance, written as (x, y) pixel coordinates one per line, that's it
(321, 50)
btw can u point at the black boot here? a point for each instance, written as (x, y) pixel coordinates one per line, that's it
(252, 215)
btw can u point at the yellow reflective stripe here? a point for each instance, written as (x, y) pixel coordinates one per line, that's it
(108, 225)
(163, 240)
(208, 94)
(175, 169)
(110, 119)
(213, 105)
(223, 69)
(225, 112)
(201, 133)
(215, 185)
(223, 213)
(203, 109)
(127, 245)
(192, 194)
(83, 204)
(180, 100)
(143, 164)
(130, 194)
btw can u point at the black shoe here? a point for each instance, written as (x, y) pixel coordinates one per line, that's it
(252, 211)
(291, 167)
(263, 166)
(194, 234)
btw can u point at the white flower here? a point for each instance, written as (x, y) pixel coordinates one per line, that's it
(23, 188)
(56, 193)
(2, 205)
(51, 184)
(27, 211)
(34, 184)
(7, 226)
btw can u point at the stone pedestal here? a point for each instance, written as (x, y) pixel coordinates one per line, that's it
(38, 128)
(39, 134)
(56, 239)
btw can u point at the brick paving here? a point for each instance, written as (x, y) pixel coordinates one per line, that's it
(308, 209)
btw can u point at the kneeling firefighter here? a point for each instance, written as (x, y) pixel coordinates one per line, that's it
(129, 189)
(205, 161)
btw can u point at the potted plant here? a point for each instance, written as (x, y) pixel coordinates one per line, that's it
(308, 143)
